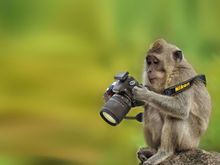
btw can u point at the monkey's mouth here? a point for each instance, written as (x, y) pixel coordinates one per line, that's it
(152, 80)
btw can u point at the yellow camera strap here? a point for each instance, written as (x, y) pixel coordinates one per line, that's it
(173, 90)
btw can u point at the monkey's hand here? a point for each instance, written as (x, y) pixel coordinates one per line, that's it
(141, 93)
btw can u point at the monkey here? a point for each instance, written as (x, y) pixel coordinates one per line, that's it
(171, 123)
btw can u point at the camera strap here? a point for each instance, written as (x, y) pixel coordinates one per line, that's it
(173, 90)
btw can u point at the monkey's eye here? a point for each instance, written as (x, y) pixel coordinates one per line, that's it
(156, 62)
(148, 62)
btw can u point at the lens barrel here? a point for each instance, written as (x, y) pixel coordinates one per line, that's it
(115, 109)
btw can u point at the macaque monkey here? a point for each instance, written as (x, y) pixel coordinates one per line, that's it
(171, 123)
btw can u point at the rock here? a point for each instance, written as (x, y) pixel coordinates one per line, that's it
(193, 157)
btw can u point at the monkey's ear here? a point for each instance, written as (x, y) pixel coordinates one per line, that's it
(178, 55)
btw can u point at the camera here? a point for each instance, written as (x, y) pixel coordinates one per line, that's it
(119, 99)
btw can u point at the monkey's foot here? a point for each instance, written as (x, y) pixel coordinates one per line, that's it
(159, 157)
(144, 153)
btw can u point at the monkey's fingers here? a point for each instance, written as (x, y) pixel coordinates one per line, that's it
(138, 93)
(141, 157)
(136, 90)
(145, 153)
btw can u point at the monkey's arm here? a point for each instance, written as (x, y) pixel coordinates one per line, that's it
(176, 106)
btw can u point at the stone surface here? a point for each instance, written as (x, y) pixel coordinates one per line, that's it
(194, 157)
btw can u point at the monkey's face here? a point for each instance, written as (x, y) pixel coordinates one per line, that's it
(155, 71)
(161, 60)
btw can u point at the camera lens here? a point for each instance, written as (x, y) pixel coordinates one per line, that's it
(109, 118)
(115, 109)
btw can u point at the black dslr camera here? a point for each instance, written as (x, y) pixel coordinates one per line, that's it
(119, 99)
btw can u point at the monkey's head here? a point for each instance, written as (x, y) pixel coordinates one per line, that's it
(161, 60)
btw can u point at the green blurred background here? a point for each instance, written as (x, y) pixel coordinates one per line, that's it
(58, 56)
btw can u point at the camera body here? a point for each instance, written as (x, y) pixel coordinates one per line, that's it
(119, 99)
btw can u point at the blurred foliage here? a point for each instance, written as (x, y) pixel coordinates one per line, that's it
(57, 58)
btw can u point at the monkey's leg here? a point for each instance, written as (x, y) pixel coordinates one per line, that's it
(190, 138)
(153, 123)
(171, 134)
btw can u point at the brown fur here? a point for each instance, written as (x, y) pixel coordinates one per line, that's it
(172, 123)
